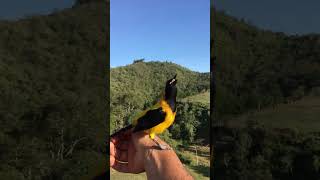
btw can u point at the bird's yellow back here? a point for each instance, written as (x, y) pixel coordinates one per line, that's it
(170, 116)
(169, 119)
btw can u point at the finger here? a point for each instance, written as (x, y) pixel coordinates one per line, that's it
(120, 136)
(123, 145)
(141, 139)
(121, 167)
(131, 152)
(136, 160)
(112, 149)
(112, 161)
(139, 135)
(128, 133)
(115, 139)
(121, 155)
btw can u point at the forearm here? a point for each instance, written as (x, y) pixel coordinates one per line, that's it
(164, 165)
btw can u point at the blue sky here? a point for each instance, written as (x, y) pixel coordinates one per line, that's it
(178, 30)
(174, 30)
(289, 16)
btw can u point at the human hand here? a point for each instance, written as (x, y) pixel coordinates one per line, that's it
(136, 153)
(128, 151)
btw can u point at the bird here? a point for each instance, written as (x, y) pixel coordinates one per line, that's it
(159, 117)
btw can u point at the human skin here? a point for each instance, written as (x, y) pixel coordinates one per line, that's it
(137, 153)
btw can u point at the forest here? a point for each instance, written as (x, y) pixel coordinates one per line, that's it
(266, 102)
(53, 81)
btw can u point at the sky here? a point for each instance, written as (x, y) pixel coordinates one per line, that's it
(15, 9)
(289, 16)
(173, 30)
(178, 30)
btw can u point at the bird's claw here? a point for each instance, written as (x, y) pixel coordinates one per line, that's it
(162, 146)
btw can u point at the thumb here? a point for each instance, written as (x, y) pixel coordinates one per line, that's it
(141, 139)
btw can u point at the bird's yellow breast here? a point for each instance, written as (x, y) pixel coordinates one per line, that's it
(170, 115)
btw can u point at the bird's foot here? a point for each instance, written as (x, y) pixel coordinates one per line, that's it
(162, 146)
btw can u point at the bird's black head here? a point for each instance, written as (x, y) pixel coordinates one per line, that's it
(171, 92)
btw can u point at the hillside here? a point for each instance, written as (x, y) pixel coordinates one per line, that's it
(201, 98)
(257, 68)
(52, 94)
(266, 116)
(302, 115)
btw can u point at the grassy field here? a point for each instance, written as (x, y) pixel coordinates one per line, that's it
(302, 115)
(197, 161)
(198, 165)
(203, 98)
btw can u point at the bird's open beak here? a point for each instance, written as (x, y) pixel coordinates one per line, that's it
(174, 76)
(173, 79)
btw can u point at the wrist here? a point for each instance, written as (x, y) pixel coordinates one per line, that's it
(157, 162)
(152, 164)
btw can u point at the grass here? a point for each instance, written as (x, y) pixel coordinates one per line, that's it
(124, 176)
(198, 169)
(198, 163)
(302, 115)
(203, 98)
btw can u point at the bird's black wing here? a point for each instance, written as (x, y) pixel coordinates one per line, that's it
(150, 119)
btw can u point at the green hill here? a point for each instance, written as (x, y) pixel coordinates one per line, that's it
(202, 98)
(52, 94)
(302, 115)
(257, 68)
(266, 116)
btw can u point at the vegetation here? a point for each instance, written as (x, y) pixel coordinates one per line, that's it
(52, 94)
(302, 115)
(261, 153)
(256, 69)
(265, 123)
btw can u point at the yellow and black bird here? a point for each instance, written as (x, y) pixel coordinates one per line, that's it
(159, 117)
